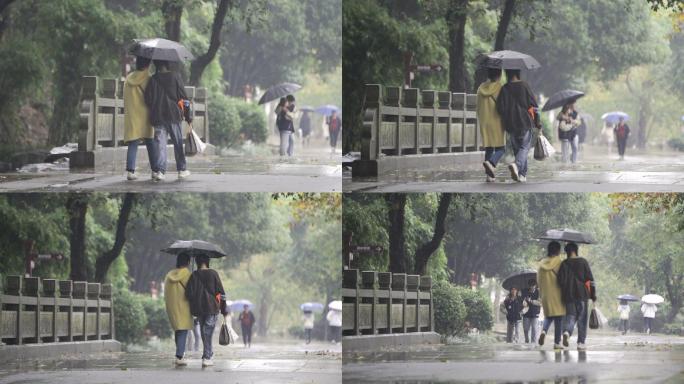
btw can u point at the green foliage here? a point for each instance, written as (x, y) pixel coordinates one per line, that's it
(478, 308)
(157, 319)
(253, 122)
(130, 317)
(225, 120)
(450, 310)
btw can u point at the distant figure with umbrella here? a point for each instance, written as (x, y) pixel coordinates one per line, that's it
(568, 121)
(623, 311)
(493, 137)
(308, 317)
(531, 314)
(577, 287)
(207, 298)
(513, 306)
(177, 305)
(246, 320)
(334, 128)
(167, 102)
(649, 309)
(137, 125)
(517, 107)
(550, 294)
(285, 123)
(621, 135)
(334, 318)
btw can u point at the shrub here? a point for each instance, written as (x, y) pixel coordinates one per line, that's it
(478, 308)
(224, 120)
(157, 319)
(450, 311)
(129, 317)
(254, 126)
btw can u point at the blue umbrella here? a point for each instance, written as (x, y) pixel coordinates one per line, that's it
(327, 109)
(628, 297)
(238, 305)
(613, 117)
(312, 307)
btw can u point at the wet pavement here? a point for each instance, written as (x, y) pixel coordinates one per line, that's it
(275, 362)
(610, 358)
(310, 170)
(597, 171)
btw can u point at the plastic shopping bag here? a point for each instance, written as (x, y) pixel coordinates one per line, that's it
(194, 144)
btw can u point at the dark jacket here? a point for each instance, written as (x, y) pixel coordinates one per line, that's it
(532, 309)
(513, 308)
(161, 96)
(282, 121)
(572, 277)
(512, 104)
(202, 290)
(621, 134)
(246, 321)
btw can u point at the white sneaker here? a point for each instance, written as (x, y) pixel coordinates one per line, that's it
(183, 174)
(514, 171)
(154, 176)
(522, 179)
(181, 361)
(491, 179)
(160, 176)
(581, 347)
(557, 347)
(131, 176)
(207, 362)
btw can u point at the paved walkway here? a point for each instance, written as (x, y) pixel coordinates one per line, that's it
(597, 171)
(311, 170)
(275, 362)
(611, 358)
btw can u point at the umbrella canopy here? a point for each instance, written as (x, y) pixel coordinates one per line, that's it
(652, 298)
(195, 247)
(327, 109)
(278, 91)
(568, 235)
(312, 307)
(613, 117)
(306, 108)
(335, 305)
(507, 60)
(627, 297)
(161, 49)
(561, 98)
(238, 305)
(519, 279)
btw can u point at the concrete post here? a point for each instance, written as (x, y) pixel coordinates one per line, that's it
(32, 289)
(385, 284)
(412, 283)
(399, 285)
(368, 279)
(15, 287)
(50, 290)
(94, 294)
(80, 292)
(65, 292)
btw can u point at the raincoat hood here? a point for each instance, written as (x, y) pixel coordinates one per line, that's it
(489, 88)
(549, 263)
(137, 78)
(177, 275)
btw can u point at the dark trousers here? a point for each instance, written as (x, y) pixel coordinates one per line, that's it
(247, 335)
(307, 333)
(648, 324)
(494, 154)
(622, 144)
(623, 326)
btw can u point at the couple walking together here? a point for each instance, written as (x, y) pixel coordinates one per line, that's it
(154, 108)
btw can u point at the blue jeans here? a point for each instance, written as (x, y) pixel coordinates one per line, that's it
(286, 143)
(557, 327)
(160, 139)
(494, 154)
(566, 146)
(132, 154)
(181, 336)
(521, 147)
(576, 312)
(207, 325)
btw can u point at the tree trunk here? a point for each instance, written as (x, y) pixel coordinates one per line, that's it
(673, 285)
(264, 305)
(103, 262)
(504, 21)
(456, 19)
(172, 11)
(397, 206)
(4, 20)
(199, 64)
(77, 207)
(426, 250)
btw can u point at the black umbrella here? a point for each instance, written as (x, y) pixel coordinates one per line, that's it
(278, 91)
(568, 235)
(195, 247)
(561, 98)
(507, 60)
(519, 279)
(161, 49)
(628, 297)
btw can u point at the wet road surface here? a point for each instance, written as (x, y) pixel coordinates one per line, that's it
(610, 358)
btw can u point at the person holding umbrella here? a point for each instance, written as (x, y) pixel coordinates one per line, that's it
(493, 138)
(334, 318)
(649, 309)
(533, 305)
(513, 306)
(177, 305)
(136, 117)
(568, 121)
(334, 128)
(285, 124)
(207, 298)
(623, 311)
(308, 319)
(550, 294)
(246, 319)
(577, 287)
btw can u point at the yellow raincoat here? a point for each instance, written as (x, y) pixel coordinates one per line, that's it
(549, 290)
(136, 116)
(489, 119)
(177, 306)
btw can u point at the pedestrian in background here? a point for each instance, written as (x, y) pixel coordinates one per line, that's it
(308, 319)
(533, 305)
(513, 306)
(246, 319)
(623, 310)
